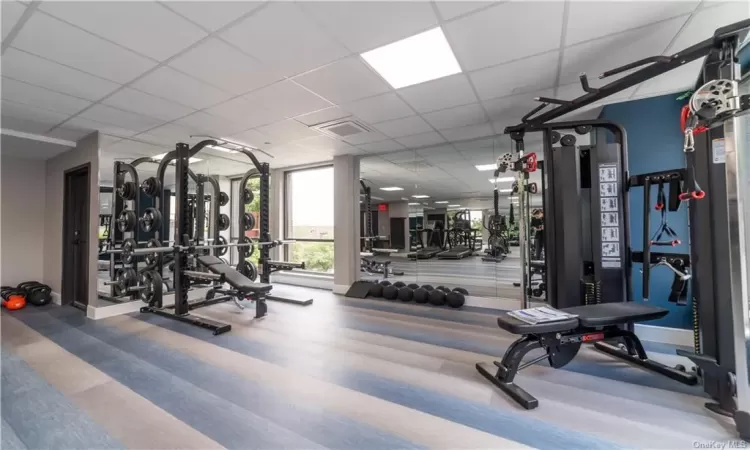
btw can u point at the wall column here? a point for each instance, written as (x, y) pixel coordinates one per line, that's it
(346, 221)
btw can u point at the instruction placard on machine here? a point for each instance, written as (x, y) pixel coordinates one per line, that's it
(609, 206)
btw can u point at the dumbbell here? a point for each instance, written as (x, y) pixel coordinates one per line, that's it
(405, 294)
(390, 292)
(437, 297)
(420, 295)
(376, 290)
(455, 299)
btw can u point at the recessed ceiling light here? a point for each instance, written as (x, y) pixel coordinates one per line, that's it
(420, 196)
(392, 188)
(222, 149)
(376, 198)
(504, 191)
(405, 199)
(414, 204)
(442, 201)
(501, 179)
(162, 155)
(416, 59)
(453, 206)
(484, 167)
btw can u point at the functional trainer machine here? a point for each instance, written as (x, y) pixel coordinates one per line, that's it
(715, 160)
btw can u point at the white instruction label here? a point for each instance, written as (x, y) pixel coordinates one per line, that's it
(608, 203)
(610, 250)
(607, 189)
(609, 207)
(610, 219)
(610, 234)
(607, 173)
(719, 151)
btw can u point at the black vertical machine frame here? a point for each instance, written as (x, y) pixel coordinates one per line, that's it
(367, 243)
(708, 219)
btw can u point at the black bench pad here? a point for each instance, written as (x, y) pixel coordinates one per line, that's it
(618, 313)
(231, 276)
(589, 316)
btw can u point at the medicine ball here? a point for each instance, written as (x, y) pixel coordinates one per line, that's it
(427, 287)
(420, 295)
(385, 283)
(413, 286)
(437, 297)
(455, 299)
(390, 292)
(399, 284)
(461, 290)
(376, 290)
(405, 294)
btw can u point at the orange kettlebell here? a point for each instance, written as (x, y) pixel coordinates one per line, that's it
(14, 302)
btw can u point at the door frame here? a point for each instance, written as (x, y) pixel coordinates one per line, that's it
(68, 283)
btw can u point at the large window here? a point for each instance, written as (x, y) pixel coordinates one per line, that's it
(308, 217)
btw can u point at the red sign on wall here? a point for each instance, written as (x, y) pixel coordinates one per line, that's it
(383, 207)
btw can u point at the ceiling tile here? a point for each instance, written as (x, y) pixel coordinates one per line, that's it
(244, 112)
(212, 15)
(366, 138)
(168, 83)
(286, 99)
(505, 32)
(322, 116)
(456, 117)
(160, 32)
(438, 94)
(11, 12)
(467, 132)
(120, 118)
(55, 40)
(365, 25)
(169, 134)
(382, 146)
(517, 77)
(69, 134)
(81, 123)
(286, 41)
(404, 127)
(615, 16)
(595, 57)
(210, 124)
(379, 108)
(514, 107)
(41, 72)
(287, 131)
(326, 143)
(450, 9)
(28, 118)
(27, 94)
(238, 74)
(141, 103)
(421, 140)
(254, 138)
(706, 21)
(344, 81)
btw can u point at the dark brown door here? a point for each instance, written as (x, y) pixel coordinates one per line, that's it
(75, 237)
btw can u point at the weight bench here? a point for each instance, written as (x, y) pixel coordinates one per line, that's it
(561, 341)
(243, 286)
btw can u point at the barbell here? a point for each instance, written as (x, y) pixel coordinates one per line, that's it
(128, 251)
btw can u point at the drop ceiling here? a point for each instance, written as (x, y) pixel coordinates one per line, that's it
(150, 74)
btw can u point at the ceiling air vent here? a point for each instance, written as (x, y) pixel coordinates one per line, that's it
(342, 128)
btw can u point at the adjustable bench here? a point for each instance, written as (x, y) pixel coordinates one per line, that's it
(243, 286)
(561, 341)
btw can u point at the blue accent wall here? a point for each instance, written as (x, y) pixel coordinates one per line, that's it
(654, 144)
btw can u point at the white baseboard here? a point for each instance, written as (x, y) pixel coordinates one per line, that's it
(56, 298)
(304, 280)
(341, 289)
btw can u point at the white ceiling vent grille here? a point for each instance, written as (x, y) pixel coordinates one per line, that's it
(342, 128)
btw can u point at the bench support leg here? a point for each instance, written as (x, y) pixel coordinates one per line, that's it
(507, 369)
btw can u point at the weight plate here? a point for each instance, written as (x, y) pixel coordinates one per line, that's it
(246, 250)
(248, 269)
(248, 196)
(125, 278)
(223, 198)
(151, 186)
(223, 222)
(152, 259)
(221, 251)
(128, 245)
(126, 221)
(151, 282)
(127, 190)
(248, 220)
(151, 220)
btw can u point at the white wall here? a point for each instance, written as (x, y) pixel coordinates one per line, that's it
(346, 219)
(22, 218)
(86, 151)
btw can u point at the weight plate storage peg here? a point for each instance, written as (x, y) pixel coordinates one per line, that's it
(223, 222)
(223, 198)
(152, 259)
(248, 196)
(127, 190)
(151, 220)
(248, 221)
(126, 221)
(128, 245)
(221, 251)
(151, 186)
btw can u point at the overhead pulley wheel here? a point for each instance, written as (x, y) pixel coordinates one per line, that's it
(248, 196)
(248, 269)
(150, 220)
(532, 188)
(582, 129)
(151, 284)
(221, 251)
(223, 222)
(124, 280)
(127, 190)
(151, 186)
(555, 137)
(127, 255)
(246, 251)
(223, 198)
(152, 259)
(248, 221)
(568, 140)
(126, 221)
